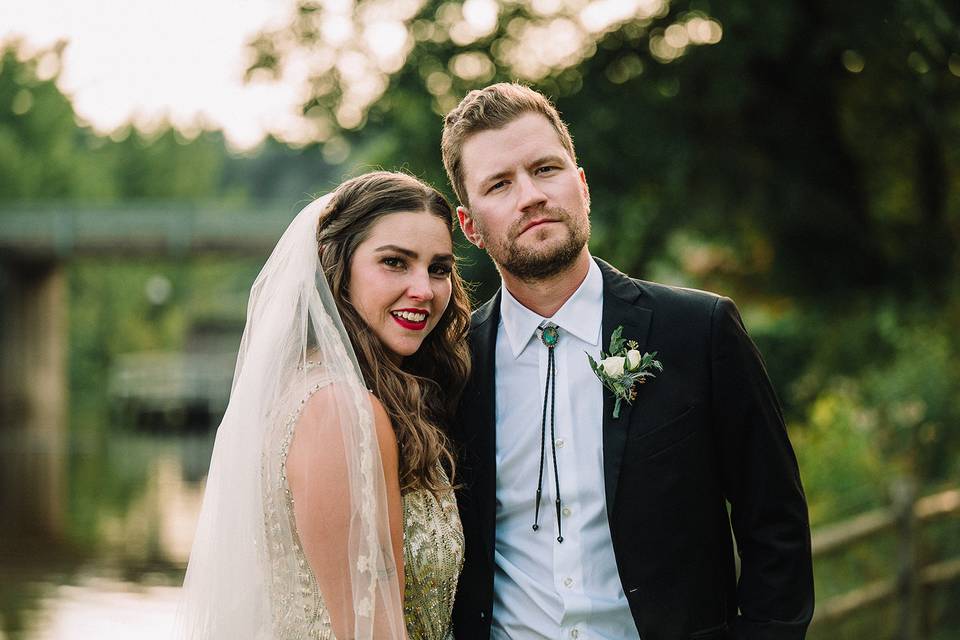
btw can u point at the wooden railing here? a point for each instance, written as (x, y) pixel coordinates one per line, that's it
(913, 581)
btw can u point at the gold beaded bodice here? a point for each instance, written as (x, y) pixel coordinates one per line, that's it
(432, 556)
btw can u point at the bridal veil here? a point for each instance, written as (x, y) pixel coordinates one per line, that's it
(240, 565)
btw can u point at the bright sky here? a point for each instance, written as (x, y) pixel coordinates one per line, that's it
(183, 60)
(146, 60)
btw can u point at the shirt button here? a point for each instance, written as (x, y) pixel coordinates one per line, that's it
(567, 511)
(560, 443)
(568, 582)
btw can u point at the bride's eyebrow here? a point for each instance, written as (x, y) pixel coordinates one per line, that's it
(392, 247)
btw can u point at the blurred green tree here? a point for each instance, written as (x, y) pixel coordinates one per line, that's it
(43, 151)
(818, 141)
(48, 154)
(802, 155)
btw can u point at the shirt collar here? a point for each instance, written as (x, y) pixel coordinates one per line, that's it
(581, 315)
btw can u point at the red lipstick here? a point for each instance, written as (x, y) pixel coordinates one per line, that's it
(406, 323)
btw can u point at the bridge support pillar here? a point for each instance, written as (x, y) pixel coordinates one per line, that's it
(33, 396)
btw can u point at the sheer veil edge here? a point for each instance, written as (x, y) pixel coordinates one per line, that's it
(242, 575)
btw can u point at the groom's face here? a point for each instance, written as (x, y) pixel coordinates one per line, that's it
(528, 202)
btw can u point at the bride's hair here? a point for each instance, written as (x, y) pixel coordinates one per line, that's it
(420, 395)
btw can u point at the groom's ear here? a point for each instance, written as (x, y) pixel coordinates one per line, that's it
(583, 183)
(469, 228)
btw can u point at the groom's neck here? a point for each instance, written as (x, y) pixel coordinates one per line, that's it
(545, 296)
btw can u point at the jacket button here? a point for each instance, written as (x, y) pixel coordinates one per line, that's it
(483, 615)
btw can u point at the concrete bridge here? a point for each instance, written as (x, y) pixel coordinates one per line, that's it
(35, 244)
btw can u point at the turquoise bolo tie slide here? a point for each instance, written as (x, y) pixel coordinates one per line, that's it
(549, 335)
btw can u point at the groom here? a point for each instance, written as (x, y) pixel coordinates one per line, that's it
(580, 524)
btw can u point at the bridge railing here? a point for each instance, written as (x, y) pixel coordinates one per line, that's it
(51, 232)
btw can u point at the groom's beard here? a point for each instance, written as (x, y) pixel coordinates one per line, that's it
(544, 259)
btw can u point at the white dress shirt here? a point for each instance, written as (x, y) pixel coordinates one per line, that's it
(543, 588)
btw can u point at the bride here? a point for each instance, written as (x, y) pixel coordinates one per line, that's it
(328, 510)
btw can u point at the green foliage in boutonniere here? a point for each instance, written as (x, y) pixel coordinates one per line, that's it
(624, 368)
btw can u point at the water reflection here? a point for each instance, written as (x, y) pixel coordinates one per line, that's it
(109, 560)
(104, 609)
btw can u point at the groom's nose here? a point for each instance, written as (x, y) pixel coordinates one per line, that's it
(530, 194)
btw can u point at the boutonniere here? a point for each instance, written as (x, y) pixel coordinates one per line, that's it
(624, 368)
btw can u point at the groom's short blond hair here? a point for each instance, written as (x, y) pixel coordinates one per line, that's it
(493, 107)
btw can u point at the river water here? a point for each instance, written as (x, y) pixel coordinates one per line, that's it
(96, 532)
(96, 528)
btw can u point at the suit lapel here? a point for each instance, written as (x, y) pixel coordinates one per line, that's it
(483, 418)
(620, 308)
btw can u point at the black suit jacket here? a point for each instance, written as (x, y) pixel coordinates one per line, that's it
(706, 431)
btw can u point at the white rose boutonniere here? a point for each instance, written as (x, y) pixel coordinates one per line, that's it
(613, 366)
(624, 368)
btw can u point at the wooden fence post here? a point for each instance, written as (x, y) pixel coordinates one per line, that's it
(904, 494)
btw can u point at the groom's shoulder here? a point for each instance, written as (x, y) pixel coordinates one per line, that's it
(662, 296)
(484, 312)
(675, 296)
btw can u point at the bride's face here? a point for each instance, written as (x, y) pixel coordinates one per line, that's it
(400, 278)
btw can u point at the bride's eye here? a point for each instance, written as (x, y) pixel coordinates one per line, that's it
(393, 262)
(441, 269)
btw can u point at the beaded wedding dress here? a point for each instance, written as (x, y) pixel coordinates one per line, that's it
(432, 553)
(248, 577)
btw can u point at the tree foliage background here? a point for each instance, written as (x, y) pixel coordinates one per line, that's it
(801, 156)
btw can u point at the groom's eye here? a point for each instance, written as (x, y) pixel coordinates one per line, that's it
(545, 169)
(496, 185)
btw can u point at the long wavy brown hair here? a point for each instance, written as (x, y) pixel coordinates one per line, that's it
(420, 394)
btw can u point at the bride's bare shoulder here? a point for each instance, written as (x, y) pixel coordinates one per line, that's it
(386, 436)
(330, 412)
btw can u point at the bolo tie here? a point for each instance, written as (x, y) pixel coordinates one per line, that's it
(549, 336)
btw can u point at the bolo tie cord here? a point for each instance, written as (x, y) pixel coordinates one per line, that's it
(549, 335)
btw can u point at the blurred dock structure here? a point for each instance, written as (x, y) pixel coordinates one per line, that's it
(170, 391)
(182, 391)
(36, 243)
